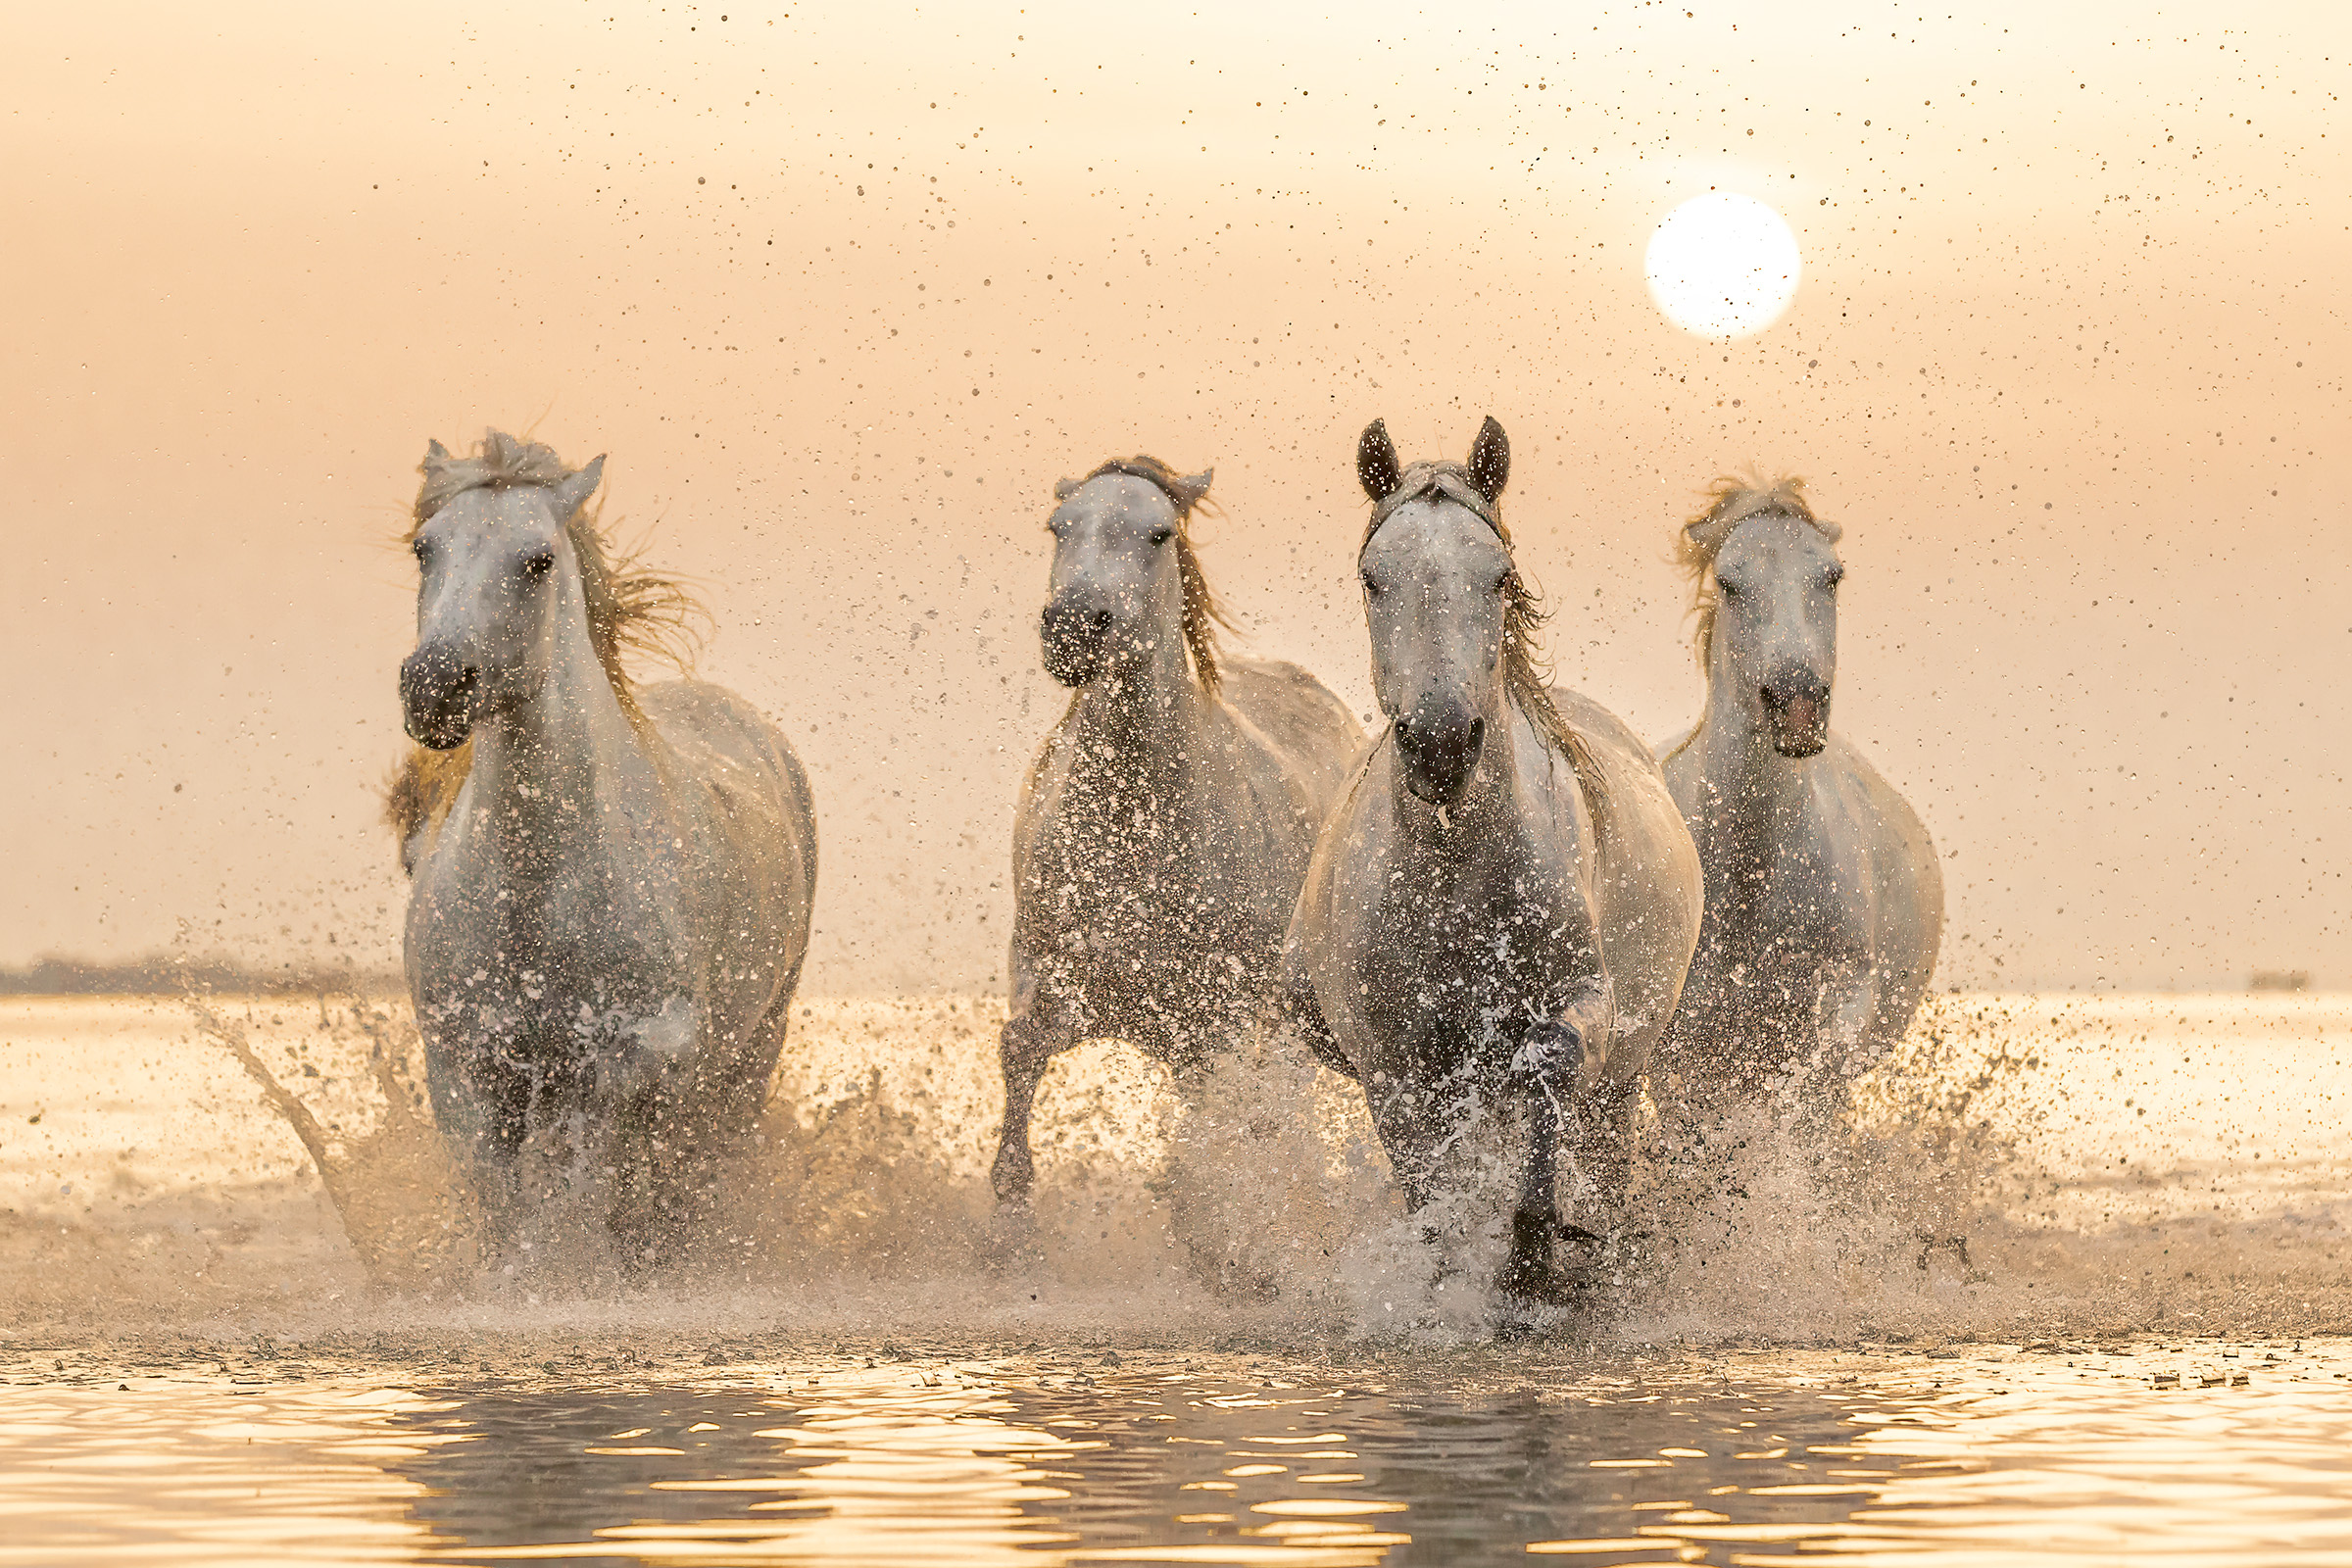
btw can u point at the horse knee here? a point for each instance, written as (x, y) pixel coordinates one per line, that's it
(1024, 1047)
(1559, 1058)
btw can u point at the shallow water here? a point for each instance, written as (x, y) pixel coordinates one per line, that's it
(2138, 1354)
(651, 1449)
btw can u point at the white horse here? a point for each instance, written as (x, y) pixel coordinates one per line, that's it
(1825, 903)
(611, 884)
(1501, 908)
(1165, 827)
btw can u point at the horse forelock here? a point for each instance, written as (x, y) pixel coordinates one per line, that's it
(1439, 480)
(1203, 615)
(1733, 500)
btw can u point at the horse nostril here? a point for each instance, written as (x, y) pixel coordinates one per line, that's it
(1478, 733)
(1100, 619)
(467, 675)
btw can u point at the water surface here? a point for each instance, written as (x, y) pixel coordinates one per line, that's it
(2140, 1354)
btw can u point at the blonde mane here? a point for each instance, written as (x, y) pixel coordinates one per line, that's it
(1731, 501)
(1526, 673)
(631, 608)
(1202, 613)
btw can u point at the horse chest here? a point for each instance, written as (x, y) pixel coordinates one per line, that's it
(547, 959)
(1444, 947)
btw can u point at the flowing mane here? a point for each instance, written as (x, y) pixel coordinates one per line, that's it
(632, 609)
(1525, 671)
(1733, 500)
(1202, 613)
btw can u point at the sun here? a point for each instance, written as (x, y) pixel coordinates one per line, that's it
(1723, 265)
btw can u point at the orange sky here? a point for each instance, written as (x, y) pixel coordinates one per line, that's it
(844, 289)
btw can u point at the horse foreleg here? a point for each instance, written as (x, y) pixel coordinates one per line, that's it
(1031, 1040)
(1530, 1270)
(1559, 1073)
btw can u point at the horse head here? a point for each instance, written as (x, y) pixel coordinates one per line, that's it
(1439, 595)
(1125, 579)
(496, 567)
(1770, 628)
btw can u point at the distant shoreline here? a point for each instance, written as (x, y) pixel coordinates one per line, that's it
(165, 975)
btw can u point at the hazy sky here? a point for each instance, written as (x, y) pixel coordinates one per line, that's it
(843, 290)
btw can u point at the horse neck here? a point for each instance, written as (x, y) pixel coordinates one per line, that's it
(1139, 726)
(554, 771)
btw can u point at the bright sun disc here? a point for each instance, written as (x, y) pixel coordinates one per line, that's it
(1723, 265)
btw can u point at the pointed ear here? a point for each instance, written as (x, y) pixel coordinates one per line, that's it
(573, 492)
(1064, 488)
(1190, 490)
(1376, 462)
(1707, 534)
(1490, 460)
(435, 452)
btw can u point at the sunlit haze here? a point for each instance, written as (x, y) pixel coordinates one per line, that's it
(844, 290)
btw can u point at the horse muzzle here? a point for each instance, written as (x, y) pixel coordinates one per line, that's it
(1074, 639)
(1796, 716)
(439, 697)
(1441, 752)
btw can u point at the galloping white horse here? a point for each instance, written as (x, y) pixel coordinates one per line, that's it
(1825, 903)
(612, 883)
(1165, 827)
(1501, 908)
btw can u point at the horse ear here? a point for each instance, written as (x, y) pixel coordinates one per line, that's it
(573, 493)
(1706, 534)
(1190, 490)
(1376, 462)
(435, 452)
(1490, 460)
(1064, 488)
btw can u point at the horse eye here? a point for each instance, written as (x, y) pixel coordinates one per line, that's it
(420, 549)
(1371, 588)
(540, 564)
(1834, 578)
(1728, 588)
(1160, 537)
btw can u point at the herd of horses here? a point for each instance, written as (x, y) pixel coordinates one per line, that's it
(1501, 912)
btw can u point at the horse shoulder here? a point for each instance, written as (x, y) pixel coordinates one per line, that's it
(1048, 773)
(1646, 875)
(1634, 812)
(733, 773)
(1349, 852)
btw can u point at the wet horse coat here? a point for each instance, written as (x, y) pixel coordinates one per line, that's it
(611, 884)
(1824, 900)
(1165, 825)
(1499, 912)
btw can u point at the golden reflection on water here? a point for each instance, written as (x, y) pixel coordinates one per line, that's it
(2205, 1452)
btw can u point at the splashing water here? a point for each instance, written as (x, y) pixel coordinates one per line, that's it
(2024, 1165)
